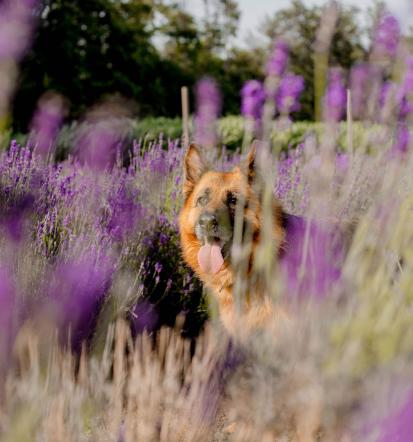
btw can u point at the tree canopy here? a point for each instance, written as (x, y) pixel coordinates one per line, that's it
(145, 50)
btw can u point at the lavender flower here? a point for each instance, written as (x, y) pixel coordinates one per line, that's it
(144, 317)
(408, 76)
(342, 163)
(335, 98)
(13, 218)
(208, 105)
(277, 63)
(399, 427)
(387, 37)
(253, 97)
(76, 292)
(311, 270)
(16, 25)
(387, 93)
(97, 145)
(288, 93)
(401, 144)
(46, 122)
(123, 213)
(359, 83)
(7, 306)
(405, 94)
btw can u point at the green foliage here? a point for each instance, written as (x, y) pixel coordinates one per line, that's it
(91, 49)
(86, 50)
(149, 129)
(298, 25)
(231, 132)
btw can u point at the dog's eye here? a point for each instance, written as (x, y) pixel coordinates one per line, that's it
(202, 200)
(231, 199)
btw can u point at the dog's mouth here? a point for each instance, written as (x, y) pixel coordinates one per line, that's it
(212, 254)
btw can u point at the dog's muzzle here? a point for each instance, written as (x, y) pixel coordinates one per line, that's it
(215, 235)
(208, 223)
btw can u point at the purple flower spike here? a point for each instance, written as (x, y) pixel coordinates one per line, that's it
(46, 122)
(14, 217)
(399, 427)
(145, 317)
(335, 98)
(277, 63)
(208, 102)
(342, 163)
(312, 270)
(402, 139)
(7, 305)
(387, 93)
(288, 94)
(405, 95)
(387, 37)
(359, 80)
(16, 26)
(253, 97)
(77, 290)
(97, 145)
(408, 76)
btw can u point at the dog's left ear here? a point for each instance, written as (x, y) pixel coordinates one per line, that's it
(194, 167)
(249, 167)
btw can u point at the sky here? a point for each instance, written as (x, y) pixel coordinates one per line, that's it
(253, 12)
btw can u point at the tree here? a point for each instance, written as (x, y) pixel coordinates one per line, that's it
(220, 23)
(298, 25)
(85, 49)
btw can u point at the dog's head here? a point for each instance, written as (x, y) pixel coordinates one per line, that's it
(208, 216)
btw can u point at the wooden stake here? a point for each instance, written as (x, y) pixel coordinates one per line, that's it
(185, 116)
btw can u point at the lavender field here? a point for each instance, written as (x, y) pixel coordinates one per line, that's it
(107, 335)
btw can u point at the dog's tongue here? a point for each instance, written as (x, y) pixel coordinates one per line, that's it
(210, 258)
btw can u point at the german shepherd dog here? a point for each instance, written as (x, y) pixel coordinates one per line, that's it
(207, 229)
(207, 233)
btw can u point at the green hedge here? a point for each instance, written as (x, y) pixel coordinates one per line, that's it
(231, 131)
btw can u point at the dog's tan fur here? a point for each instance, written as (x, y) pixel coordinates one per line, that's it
(257, 308)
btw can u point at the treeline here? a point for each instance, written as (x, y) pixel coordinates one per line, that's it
(145, 50)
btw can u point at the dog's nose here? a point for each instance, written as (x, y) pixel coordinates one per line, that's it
(208, 221)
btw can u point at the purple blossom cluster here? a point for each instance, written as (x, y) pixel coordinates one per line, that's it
(288, 93)
(16, 25)
(253, 98)
(321, 255)
(208, 106)
(335, 98)
(387, 37)
(399, 427)
(46, 123)
(85, 226)
(360, 78)
(288, 88)
(7, 315)
(397, 104)
(290, 187)
(277, 63)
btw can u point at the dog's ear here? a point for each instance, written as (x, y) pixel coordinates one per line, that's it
(194, 168)
(249, 166)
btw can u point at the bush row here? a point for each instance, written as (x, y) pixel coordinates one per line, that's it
(230, 131)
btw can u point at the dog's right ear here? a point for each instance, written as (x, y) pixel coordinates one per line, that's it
(249, 164)
(194, 168)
